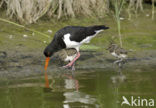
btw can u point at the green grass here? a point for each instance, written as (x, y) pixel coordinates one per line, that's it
(136, 33)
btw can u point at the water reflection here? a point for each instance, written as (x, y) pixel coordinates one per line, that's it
(71, 82)
(99, 88)
(82, 99)
(117, 80)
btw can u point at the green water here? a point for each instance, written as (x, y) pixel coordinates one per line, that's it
(99, 88)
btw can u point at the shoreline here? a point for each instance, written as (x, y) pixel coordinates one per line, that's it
(32, 63)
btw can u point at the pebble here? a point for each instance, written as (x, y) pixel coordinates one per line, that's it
(147, 15)
(3, 54)
(50, 31)
(25, 36)
(10, 36)
(121, 18)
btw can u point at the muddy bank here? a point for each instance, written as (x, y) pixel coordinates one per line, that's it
(23, 64)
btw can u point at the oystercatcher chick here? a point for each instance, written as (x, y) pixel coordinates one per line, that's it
(67, 55)
(72, 37)
(118, 52)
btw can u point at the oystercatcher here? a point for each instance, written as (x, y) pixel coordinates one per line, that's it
(117, 52)
(72, 37)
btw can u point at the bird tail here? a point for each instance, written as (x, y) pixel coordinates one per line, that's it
(100, 27)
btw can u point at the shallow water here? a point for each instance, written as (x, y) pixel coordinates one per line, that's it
(96, 88)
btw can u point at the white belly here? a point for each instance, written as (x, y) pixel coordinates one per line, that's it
(70, 58)
(122, 56)
(74, 44)
(114, 54)
(69, 43)
(87, 39)
(119, 56)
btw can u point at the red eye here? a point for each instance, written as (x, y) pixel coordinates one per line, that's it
(48, 53)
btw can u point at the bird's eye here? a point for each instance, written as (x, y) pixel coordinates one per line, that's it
(48, 53)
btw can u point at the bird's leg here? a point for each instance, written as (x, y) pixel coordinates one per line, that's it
(125, 61)
(121, 63)
(71, 63)
(118, 62)
(73, 66)
(115, 62)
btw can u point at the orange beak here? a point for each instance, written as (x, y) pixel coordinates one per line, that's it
(46, 76)
(46, 63)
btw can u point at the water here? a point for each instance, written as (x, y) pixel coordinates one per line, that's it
(96, 88)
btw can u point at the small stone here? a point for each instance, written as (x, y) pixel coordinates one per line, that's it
(10, 36)
(121, 18)
(147, 15)
(3, 54)
(44, 41)
(50, 31)
(25, 36)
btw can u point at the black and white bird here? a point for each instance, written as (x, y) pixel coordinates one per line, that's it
(72, 37)
(117, 52)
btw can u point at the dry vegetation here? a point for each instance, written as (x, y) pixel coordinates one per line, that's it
(134, 7)
(26, 10)
(29, 11)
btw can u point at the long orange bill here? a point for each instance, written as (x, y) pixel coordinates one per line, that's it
(46, 76)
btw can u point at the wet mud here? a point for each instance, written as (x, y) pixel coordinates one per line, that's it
(15, 64)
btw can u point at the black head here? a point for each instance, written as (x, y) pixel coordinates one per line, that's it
(49, 51)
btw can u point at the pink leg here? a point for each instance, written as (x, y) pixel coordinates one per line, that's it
(73, 66)
(72, 62)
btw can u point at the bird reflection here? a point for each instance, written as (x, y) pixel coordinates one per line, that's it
(117, 80)
(71, 82)
(76, 96)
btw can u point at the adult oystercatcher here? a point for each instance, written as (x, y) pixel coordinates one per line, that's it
(72, 37)
(117, 52)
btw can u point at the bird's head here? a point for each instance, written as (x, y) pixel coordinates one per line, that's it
(111, 47)
(49, 51)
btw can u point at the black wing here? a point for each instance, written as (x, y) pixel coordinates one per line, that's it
(78, 33)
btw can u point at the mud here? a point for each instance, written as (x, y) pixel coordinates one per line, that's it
(14, 64)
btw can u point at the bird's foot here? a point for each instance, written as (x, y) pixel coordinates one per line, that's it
(73, 67)
(68, 65)
(71, 64)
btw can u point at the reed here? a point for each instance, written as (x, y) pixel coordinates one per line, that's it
(118, 5)
(131, 8)
(153, 1)
(21, 26)
(29, 11)
(26, 11)
(134, 6)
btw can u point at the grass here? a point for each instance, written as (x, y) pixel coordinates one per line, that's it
(138, 34)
